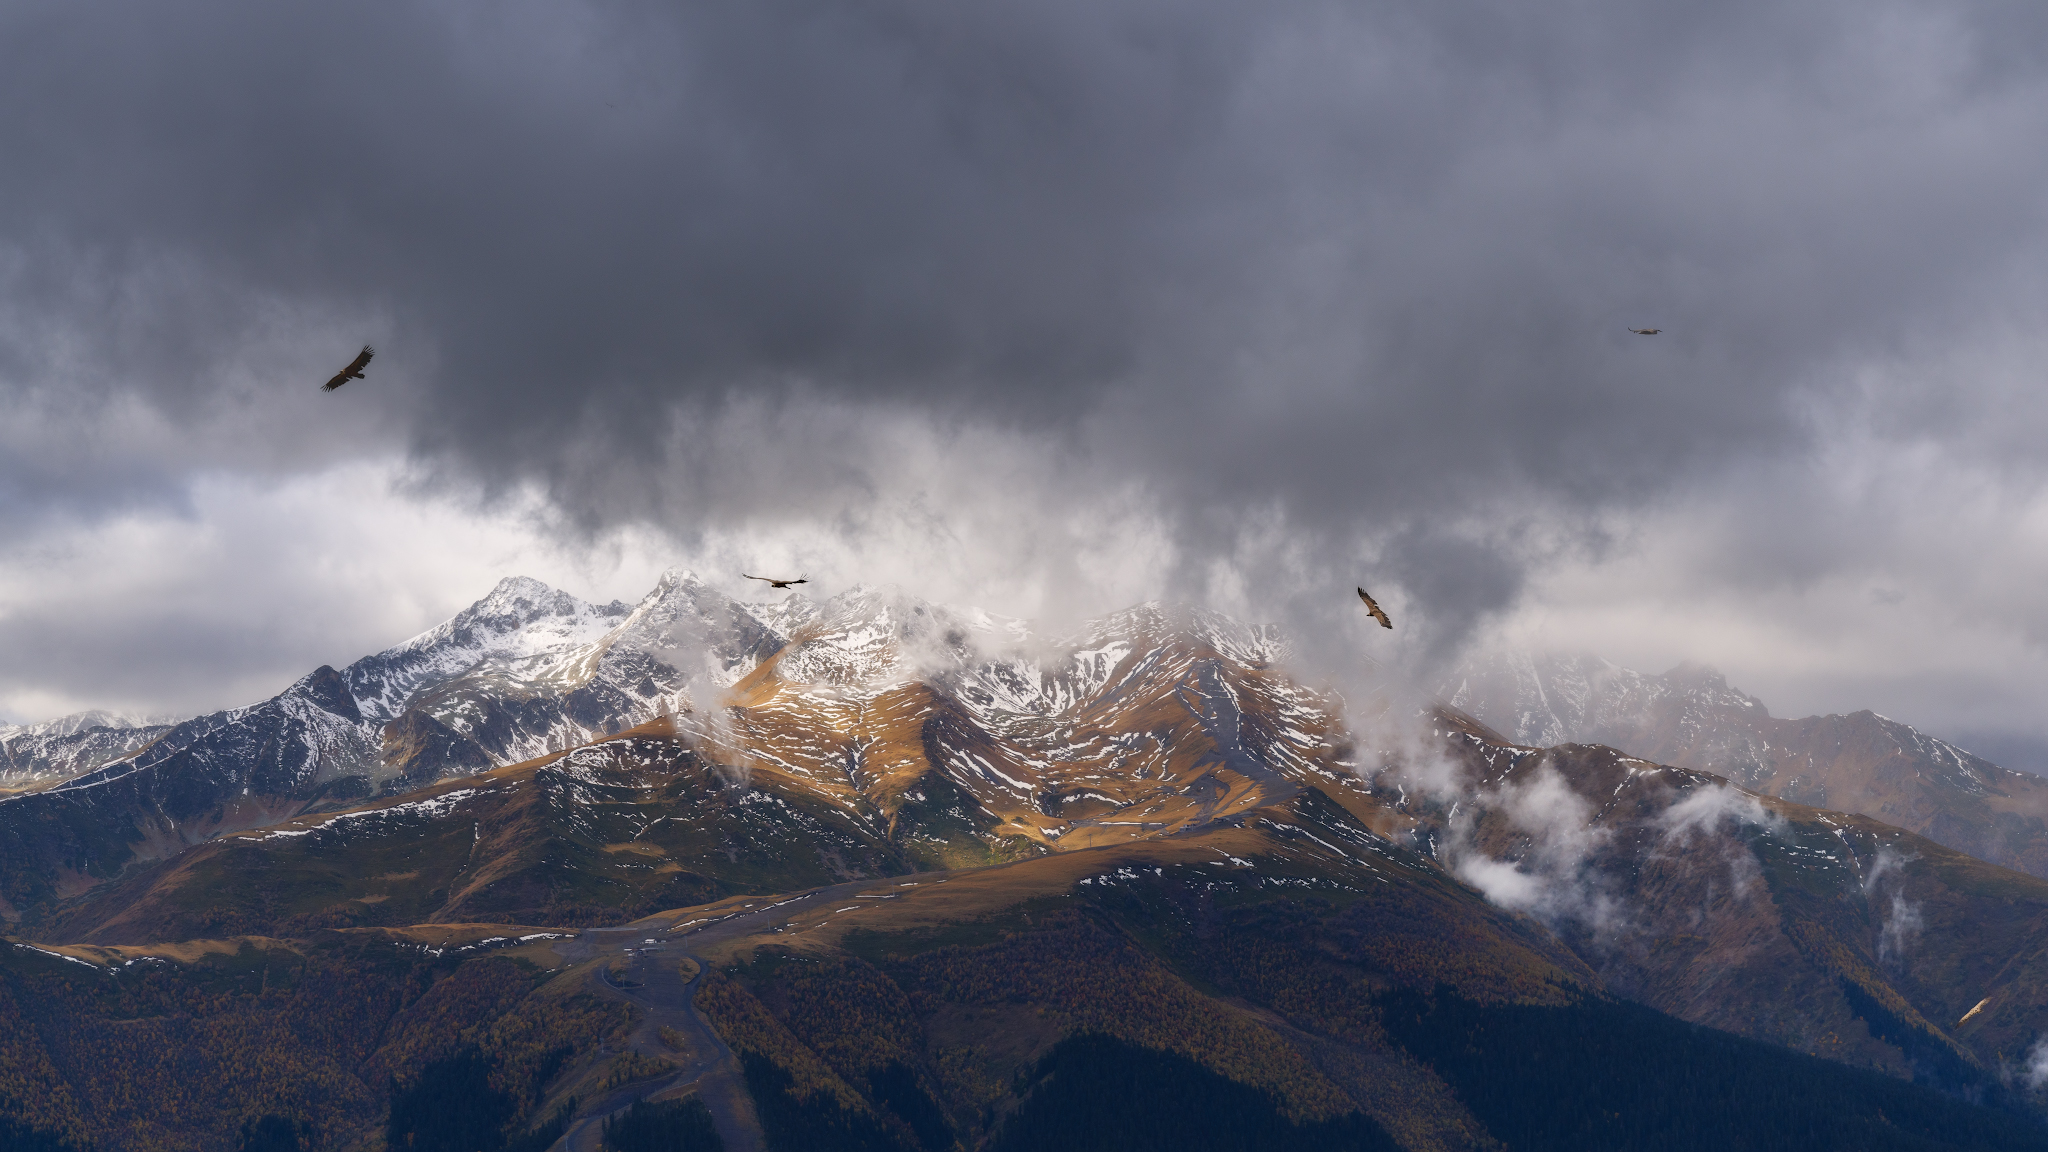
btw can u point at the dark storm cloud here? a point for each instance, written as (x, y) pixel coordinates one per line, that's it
(1360, 269)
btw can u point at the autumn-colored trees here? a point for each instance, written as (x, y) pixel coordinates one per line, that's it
(161, 1055)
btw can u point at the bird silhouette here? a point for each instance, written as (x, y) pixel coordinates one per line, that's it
(1373, 607)
(1646, 331)
(353, 372)
(774, 583)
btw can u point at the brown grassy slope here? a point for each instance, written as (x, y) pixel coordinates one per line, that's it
(1168, 946)
(1260, 947)
(178, 1055)
(601, 834)
(1870, 766)
(1176, 735)
(1256, 950)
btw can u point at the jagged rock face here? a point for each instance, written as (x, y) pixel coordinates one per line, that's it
(1689, 717)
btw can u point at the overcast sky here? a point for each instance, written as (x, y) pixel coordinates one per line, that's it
(1049, 307)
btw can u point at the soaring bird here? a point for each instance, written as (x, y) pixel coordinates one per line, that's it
(1373, 607)
(353, 372)
(1646, 331)
(774, 583)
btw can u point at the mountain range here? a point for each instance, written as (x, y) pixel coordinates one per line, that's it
(1862, 763)
(36, 756)
(881, 873)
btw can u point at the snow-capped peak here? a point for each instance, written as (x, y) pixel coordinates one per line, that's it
(522, 595)
(520, 620)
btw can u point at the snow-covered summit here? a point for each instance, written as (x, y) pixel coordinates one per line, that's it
(852, 691)
(517, 626)
(692, 630)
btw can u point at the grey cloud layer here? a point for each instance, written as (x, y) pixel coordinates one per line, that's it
(1355, 274)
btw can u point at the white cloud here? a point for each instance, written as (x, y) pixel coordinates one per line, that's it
(244, 582)
(1704, 808)
(1551, 879)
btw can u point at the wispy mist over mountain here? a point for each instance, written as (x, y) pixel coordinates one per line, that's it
(1690, 717)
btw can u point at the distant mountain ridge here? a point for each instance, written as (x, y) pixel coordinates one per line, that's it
(78, 722)
(1833, 934)
(50, 752)
(1689, 717)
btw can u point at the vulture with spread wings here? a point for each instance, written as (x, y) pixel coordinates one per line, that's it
(1373, 607)
(1646, 331)
(353, 372)
(774, 583)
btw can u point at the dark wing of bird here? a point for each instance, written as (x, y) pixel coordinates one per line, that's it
(763, 579)
(1646, 331)
(1373, 607)
(354, 371)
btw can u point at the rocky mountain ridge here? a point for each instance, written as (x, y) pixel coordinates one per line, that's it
(885, 735)
(1689, 717)
(526, 669)
(529, 669)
